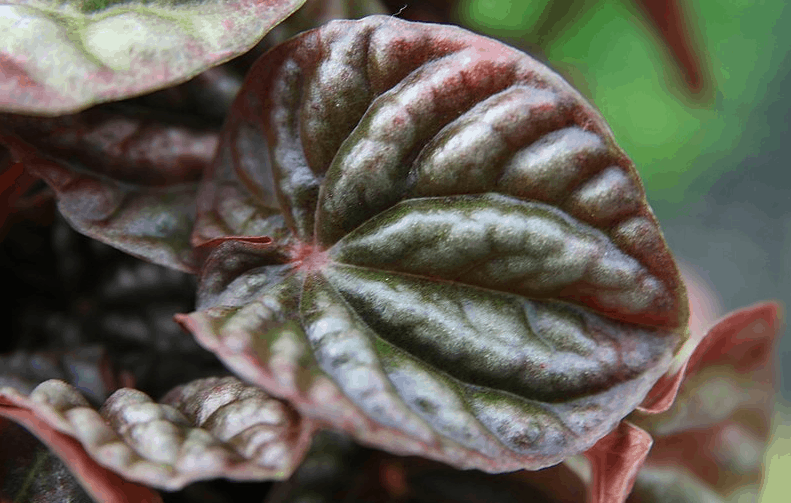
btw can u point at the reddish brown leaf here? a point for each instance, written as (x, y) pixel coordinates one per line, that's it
(125, 143)
(675, 26)
(743, 340)
(715, 433)
(615, 461)
(730, 369)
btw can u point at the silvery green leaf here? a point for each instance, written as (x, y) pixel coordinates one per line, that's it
(429, 240)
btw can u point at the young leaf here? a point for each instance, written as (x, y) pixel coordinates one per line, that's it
(215, 427)
(63, 57)
(730, 369)
(428, 239)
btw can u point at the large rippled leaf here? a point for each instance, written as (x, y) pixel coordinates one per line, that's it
(430, 240)
(60, 57)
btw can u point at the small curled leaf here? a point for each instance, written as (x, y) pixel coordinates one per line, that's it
(615, 462)
(461, 263)
(716, 431)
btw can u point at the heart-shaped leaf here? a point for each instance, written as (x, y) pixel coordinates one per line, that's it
(430, 240)
(61, 57)
(214, 427)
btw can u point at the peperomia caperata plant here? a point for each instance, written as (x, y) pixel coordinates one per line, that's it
(405, 233)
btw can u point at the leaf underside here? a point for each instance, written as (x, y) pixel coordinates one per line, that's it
(460, 261)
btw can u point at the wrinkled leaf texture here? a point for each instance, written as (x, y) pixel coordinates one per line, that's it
(62, 57)
(430, 240)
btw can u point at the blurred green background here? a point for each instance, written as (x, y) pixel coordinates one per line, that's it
(714, 160)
